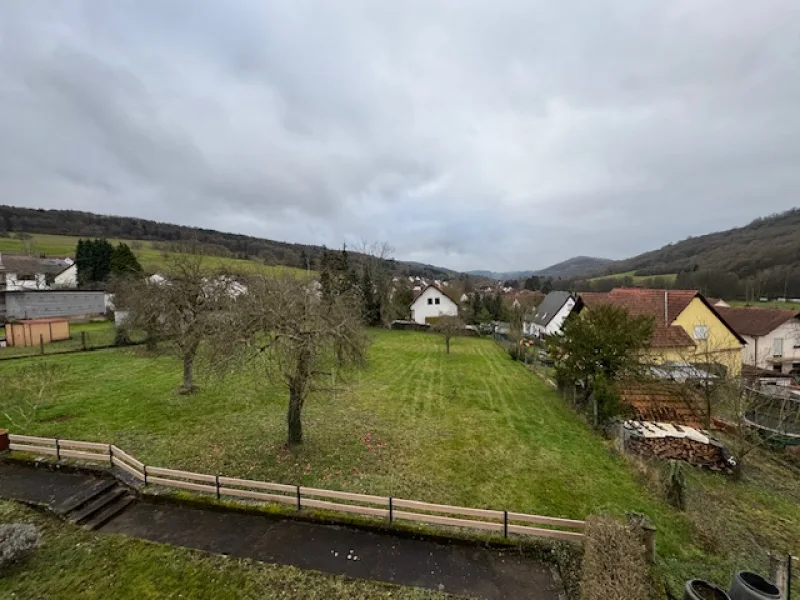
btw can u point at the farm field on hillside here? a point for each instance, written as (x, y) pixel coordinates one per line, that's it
(472, 429)
(152, 260)
(73, 563)
(636, 278)
(772, 304)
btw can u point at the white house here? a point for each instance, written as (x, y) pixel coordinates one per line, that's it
(549, 316)
(21, 273)
(772, 336)
(68, 278)
(432, 302)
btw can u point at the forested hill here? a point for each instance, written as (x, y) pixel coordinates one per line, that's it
(765, 243)
(574, 267)
(70, 222)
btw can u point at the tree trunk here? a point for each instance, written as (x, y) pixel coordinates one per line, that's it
(708, 413)
(294, 422)
(447, 343)
(188, 374)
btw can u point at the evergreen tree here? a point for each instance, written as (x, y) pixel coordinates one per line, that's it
(123, 262)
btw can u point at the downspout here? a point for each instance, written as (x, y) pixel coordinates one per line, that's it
(666, 308)
(755, 351)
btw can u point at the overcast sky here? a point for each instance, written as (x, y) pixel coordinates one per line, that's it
(501, 135)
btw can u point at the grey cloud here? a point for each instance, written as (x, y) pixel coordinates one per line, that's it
(504, 135)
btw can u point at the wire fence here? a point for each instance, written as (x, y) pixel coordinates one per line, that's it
(83, 338)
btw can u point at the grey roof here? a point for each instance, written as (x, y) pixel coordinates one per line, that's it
(551, 304)
(30, 265)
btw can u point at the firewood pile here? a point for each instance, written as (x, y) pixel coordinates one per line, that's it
(668, 441)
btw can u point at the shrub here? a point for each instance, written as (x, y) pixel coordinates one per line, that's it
(16, 541)
(675, 484)
(614, 566)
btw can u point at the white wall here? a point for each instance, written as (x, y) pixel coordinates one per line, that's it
(421, 309)
(764, 356)
(13, 284)
(68, 278)
(555, 324)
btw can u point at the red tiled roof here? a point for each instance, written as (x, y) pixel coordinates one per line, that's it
(662, 401)
(756, 322)
(651, 303)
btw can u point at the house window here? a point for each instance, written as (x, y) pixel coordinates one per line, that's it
(430, 300)
(777, 347)
(701, 332)
(436, 301)
(26, 277)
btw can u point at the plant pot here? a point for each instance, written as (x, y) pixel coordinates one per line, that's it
(751, 586)
(3, 440)
(697, 589)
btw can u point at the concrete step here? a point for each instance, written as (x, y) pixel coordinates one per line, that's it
(110, 511)
(84, 496)
(97, 504)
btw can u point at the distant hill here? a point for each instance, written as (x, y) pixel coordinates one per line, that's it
(15, 219)
(501, 275)
(764, 244)
(578, 266)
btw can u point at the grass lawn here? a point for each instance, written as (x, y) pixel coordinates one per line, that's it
(152, 260)
(472, 429)
(73, 563)
(98, 333)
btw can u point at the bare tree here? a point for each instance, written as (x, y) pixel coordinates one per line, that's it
(31, 388)
(376, 282)
(449, 326)
(294, 334)
(182, 308)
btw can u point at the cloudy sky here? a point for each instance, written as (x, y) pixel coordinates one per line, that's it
(471, 134)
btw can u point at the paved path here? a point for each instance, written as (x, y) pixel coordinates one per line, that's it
(455, 568)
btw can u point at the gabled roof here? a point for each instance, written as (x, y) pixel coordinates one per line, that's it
(549, 307)
(20, 264)
(418, 295)
(663, 305)
(756, 322)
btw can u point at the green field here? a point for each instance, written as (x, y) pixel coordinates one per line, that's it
(472, 429)
(772, 304)
(73, 563)
(151, 259)
(670, 277)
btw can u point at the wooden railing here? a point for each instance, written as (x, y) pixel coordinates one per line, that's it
(301, 497)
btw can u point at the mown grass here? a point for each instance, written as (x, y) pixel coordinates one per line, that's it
(97, 334)
(151, 259)
(73, 563)
(473, 429)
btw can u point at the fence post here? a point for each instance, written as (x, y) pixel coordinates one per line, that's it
(505, 523)
(391, 511)
(779, 572)
(83, 340)
(216, 480)
(298, 498)
(41, 343)
(144, 469)
(110, 456)
(58, 451)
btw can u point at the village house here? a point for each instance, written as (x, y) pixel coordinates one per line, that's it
(686, 327)
(772, 337)
(19, 272)
(549, 316)
(432, 302)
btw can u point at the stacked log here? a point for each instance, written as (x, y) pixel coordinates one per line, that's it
(671, 442)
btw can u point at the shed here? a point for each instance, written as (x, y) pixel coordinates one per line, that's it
(32, 332)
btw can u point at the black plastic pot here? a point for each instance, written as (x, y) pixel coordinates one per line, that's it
(751, 586)
(697, 589)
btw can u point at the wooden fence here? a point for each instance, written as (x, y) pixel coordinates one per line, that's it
(301, 497)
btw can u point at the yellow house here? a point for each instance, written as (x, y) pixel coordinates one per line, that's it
(686, 327)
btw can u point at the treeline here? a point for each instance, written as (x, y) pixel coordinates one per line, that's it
(69, 222)
(98, 261)
(775, 282)
(761, 258)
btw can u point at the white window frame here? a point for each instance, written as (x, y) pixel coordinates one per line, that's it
(777, 346)
(700, 332)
